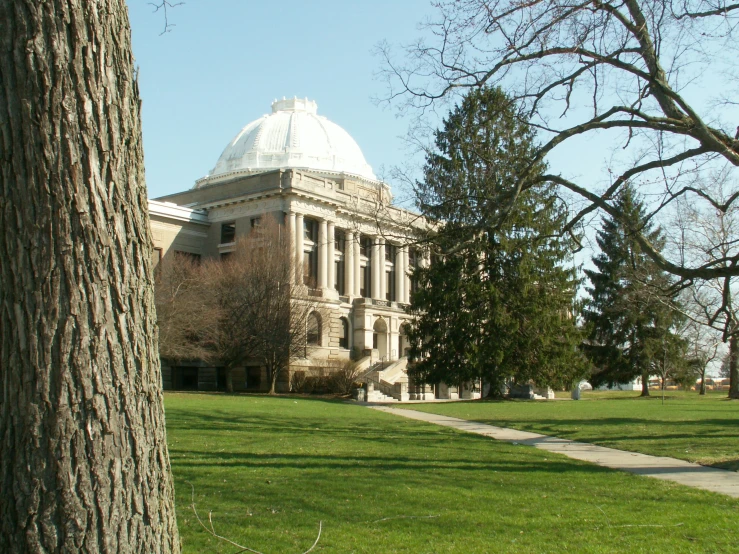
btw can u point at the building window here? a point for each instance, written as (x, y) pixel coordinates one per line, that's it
(313, 334)
(366, 282)
(390, 285)
(390, 252)
(310, 229)
(365, 246)
(414, 258)
(256, 222)
(339, 277)
(228, 232)
(339, 241)
(344, 336)
(310, 268)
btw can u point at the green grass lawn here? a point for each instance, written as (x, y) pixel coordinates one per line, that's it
(703, 429)
(270, 469)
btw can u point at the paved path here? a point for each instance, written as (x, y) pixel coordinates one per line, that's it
(669, 469)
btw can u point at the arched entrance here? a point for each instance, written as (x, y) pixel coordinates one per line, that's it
(379, 337)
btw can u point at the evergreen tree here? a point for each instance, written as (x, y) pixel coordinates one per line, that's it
(725, 370)
(629, 315)
(499, 304)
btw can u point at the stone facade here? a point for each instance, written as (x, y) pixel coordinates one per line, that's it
(350, 247)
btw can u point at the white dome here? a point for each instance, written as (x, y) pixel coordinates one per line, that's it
(293, 136)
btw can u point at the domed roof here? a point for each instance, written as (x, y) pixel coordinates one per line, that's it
(293, 136)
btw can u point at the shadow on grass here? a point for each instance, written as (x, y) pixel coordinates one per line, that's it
(716, 428)
(730, 465)
(389, 463)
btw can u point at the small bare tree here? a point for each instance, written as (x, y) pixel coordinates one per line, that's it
(244, 307)
(703, 347)
(181, 303)
(281, 315)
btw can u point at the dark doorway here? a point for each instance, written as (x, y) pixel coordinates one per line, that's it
(185, 378)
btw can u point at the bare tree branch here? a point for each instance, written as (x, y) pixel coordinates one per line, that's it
(629, 60)
(164, 5)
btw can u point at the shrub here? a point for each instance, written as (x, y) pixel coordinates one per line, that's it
(344, 377)
(298, 381)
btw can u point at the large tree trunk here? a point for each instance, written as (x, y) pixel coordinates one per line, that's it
(645, 384)
(734, 366)
(703, 382)
(83, 458)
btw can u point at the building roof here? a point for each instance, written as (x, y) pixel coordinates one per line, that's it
(174, 211)
(292, 136)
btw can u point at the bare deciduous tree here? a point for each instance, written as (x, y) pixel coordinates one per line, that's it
(279, 318)
(703, 347)
(587, 69)
(708, 235)
(243, 308)
(182, 303)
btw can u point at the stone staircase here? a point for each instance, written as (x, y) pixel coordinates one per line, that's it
(387, 381)
(379, 396)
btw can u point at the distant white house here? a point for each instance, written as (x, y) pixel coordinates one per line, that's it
(634, 384)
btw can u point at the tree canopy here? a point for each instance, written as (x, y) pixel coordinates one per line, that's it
(498, 304)
(630, 315)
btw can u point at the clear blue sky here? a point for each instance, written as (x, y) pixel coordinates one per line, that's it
(224, 62)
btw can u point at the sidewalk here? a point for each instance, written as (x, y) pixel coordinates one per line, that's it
(669, 469)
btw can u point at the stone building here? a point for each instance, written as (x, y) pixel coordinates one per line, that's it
(351, 246)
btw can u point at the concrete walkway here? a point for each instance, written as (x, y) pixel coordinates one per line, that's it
(669, 469)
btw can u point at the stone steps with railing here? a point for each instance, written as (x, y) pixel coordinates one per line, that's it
(387, 379)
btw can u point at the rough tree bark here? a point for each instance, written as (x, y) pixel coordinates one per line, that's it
(645, 384)
(83, 455)
(734, 366)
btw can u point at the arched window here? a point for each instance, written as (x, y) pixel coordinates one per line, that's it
(313, 335)
(344, 336)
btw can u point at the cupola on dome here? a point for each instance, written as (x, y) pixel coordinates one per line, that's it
(293, 136)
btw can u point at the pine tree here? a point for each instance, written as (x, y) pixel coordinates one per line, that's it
(500, 305)
(630, 314)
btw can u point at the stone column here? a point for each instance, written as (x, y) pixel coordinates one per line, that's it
(375, 261)
(322, 253)
(399, 275)
(349, 264)
(392, 338)
(406, 278)
(330, 256)
(383, 277)
(357, 265)
(299, 234)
